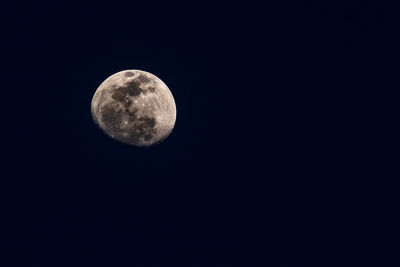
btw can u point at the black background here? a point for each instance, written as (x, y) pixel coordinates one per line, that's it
(257, 169)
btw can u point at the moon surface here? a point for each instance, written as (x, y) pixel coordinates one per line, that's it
(134, 107)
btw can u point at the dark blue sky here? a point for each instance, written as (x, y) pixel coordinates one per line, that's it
(249, 174)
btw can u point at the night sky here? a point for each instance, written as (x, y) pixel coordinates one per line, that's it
(255, 169)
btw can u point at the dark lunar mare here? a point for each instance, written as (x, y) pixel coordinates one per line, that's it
(131, 88)
(111, 117)
(144, 127)
(138, 127)
(129, 74)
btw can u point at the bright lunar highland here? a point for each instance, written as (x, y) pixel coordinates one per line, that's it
(134, 107)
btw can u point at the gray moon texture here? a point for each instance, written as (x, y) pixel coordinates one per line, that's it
(134, 107)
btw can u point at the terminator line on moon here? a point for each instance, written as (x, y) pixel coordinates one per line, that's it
(134, 107)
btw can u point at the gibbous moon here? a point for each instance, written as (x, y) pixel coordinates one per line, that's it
(134, 107)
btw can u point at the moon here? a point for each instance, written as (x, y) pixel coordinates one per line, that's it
(134, 107)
